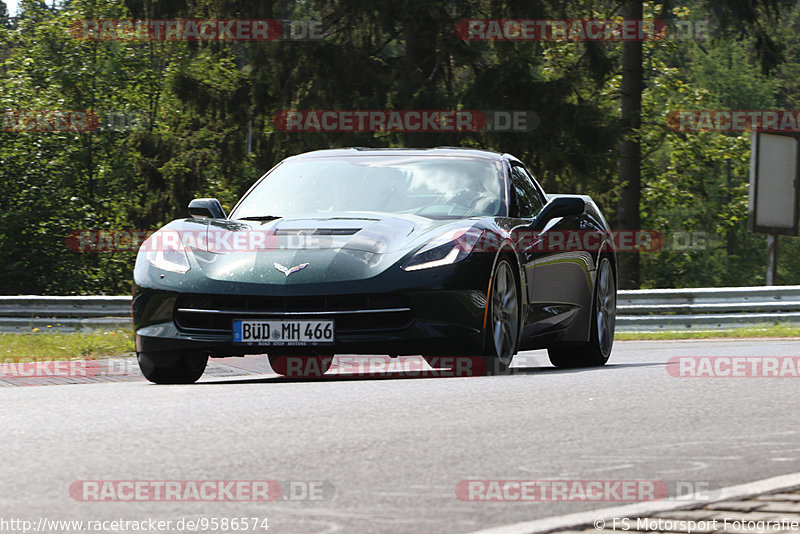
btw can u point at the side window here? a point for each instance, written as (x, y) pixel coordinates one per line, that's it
(529, 199)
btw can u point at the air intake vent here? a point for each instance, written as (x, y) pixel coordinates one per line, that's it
(352, 313)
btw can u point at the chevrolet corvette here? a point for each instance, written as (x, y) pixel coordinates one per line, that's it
(442, 252)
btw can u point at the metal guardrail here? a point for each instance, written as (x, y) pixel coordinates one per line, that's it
(28, 313)
(638, 310)
(716, 308)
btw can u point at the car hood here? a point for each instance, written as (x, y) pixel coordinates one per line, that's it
(305, 250)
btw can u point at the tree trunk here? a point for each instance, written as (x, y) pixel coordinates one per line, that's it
(417, 87)
(630, 150)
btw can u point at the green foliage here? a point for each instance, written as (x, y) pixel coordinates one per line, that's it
(206, 114)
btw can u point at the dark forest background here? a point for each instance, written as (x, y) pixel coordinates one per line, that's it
(205, 112)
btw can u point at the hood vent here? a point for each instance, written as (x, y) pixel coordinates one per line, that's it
(317, 231)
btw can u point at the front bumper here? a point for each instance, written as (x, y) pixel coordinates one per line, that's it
(435, 312)
(445, 322)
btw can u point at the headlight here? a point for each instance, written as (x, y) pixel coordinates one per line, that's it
(446, 249)
(165, 251)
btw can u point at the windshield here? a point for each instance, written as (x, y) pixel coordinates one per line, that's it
(436, 187)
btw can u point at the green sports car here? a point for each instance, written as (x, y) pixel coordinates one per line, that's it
(441, 252)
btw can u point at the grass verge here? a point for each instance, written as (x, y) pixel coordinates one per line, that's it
(65, 346)
(773, 330)
(43, 346)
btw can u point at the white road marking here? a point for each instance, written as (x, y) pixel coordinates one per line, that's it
(550, 524)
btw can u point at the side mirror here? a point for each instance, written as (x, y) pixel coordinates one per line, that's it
(209, 208)
(561, 206)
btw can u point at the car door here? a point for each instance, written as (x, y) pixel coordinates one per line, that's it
(558, 270)
(525, 202)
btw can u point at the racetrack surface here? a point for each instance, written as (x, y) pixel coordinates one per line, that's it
(391, 450)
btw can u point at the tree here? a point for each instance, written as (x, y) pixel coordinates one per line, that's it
(630, 162)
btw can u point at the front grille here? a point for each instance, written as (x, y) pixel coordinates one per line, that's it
(351, 313)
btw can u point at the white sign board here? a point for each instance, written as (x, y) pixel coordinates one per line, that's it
(774, 169)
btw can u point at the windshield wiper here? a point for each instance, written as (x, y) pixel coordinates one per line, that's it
(260, 218)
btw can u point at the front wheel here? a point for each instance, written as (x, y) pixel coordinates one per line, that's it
(502, 328)
(596, 351)
(172, 367)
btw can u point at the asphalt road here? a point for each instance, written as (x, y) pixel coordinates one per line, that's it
(391, 451)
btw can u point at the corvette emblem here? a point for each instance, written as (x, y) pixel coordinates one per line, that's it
(287, 271)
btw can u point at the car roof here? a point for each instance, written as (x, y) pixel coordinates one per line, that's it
(414, 152)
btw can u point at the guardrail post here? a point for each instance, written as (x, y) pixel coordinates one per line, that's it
(772, 259)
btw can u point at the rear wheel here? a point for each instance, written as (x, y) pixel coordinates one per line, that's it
(172, 367)
(604, 313)
(301, 366)
(502, 328)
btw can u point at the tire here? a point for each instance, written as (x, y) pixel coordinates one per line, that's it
(503, 322)
(172, 367)
(301, 366)
(596, 351)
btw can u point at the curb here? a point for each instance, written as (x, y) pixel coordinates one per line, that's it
(587, 519)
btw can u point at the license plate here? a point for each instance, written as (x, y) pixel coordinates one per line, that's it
(282, 332)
